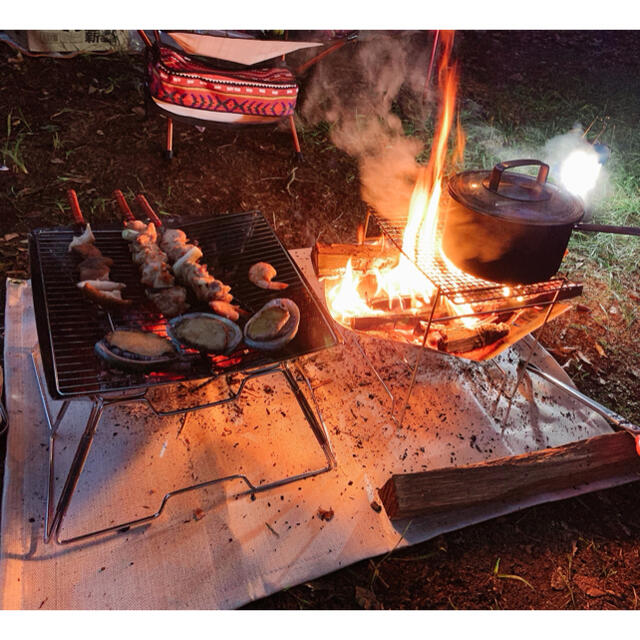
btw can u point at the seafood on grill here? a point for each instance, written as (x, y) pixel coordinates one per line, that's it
(170, 301)
(86, 238)
(104, 292)
(273, 326)
(155, 271)
(83, 244)
(102, 285)
(262, 274)
(94, 272)
(136, 350)
(192, 273)
(205, 332)
(95, 268)
(184, 258)
(152, 261)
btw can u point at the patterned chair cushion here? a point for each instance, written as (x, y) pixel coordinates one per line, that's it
(185, 87)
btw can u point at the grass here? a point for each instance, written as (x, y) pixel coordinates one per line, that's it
(12, 148)
(509, 576)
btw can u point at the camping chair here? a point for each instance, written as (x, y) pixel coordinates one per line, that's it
(237, 94)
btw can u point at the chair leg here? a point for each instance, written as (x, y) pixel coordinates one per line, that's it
(168, 153)
(294, 135)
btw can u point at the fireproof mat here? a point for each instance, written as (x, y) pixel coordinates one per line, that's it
(212, 550)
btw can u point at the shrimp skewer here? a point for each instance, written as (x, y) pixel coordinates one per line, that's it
(155, 271)
(94, 268)
(189, 270)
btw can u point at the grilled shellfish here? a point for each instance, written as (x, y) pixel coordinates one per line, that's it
(136, 350)
(273, 326)
(205, 332)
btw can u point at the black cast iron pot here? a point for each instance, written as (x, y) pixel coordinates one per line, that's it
(510, 227)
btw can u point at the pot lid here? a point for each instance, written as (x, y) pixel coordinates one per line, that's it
(516, 197)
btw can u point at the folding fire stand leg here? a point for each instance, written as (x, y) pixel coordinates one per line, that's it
(523, 363)
(55, 512)
(296, 143)
(405, 403)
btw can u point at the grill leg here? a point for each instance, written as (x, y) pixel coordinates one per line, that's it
(522, 365)
(54, 516)
(75, 470)
(405, 402)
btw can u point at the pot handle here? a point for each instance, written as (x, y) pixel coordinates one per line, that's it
(496, 174)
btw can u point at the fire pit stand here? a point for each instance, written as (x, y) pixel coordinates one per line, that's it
(461, 288)
(67, 366)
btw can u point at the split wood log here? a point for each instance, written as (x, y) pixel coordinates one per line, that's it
(451, 340)
(331, 259)
(511, 479)
(403, 304)
(540, 300)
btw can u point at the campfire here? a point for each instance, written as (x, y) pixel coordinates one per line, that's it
(401, 286)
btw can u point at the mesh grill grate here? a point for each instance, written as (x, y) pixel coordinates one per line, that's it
(69, 326)
(464, 288)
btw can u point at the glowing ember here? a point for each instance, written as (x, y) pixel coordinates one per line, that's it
(579, 171)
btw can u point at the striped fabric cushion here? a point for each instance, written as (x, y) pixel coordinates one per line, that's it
(175, 80)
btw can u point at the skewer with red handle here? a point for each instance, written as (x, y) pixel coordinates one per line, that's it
(151, 214)
(124, 207)
(72, 196)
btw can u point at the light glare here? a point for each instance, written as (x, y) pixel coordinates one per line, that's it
(579, 171)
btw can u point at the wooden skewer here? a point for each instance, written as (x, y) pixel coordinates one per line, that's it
(151, 214)
(124, 207)
(75, 207)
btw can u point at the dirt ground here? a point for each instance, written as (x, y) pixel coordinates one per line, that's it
(80, 123)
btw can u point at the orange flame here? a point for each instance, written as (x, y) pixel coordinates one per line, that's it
(419, 239)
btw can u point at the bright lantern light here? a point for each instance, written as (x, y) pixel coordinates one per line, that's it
(579, 171)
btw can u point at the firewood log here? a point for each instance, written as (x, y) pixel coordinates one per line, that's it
(331, 259)
(510, 479)
(441, 337)
(462, 339)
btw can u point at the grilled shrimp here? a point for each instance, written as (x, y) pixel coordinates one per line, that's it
(262, 274)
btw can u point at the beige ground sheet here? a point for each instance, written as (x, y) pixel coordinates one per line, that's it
(210, 549)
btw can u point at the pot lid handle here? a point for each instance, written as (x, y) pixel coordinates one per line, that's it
(496, 174)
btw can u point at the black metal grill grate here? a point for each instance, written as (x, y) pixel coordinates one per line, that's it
(69, 326)
(463, 288)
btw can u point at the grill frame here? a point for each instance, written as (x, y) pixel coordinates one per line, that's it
(68, 325)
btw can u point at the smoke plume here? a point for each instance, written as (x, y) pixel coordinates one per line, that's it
(356, 92)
